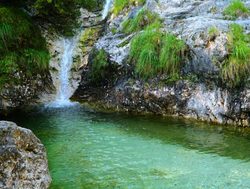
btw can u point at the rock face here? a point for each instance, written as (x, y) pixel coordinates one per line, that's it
(205, 98)
(22, 158)
(26, 91)
(185, 99)
(57, 48)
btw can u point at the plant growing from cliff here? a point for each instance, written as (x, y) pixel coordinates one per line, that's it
(235, 10)
(213, 32)
(140, 21)
(88, 38)
(22, 48)
(154, 52)
(99, 64)
(236, 68)
(171, 55)
(120, 5)
(57, 15)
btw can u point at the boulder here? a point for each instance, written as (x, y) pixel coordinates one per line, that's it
(23, 159)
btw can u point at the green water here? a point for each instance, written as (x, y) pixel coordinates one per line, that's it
(97, 150)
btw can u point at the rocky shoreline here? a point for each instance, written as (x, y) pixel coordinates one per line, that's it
(23, 159)
(199, 94)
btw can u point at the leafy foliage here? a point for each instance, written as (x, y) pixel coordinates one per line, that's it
(236, 9)
(22, 48)
(61, 15)
(237, 67)
(140, 21)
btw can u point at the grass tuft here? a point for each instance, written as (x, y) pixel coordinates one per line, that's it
(236, 68)
(143, 19)
(154, 52)
(235, 10)
(120, 5)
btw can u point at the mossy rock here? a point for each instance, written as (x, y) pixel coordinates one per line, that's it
(89, 37)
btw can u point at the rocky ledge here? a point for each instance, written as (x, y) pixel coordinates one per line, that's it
(199, 93)
(23, 159)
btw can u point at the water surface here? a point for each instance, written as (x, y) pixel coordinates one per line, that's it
(89, 150)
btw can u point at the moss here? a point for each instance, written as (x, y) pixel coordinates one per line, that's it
(143, 19)
(88, 38)
(113, 30)
(236, 68)
(213, 32)
(235, 10)
(120, 5)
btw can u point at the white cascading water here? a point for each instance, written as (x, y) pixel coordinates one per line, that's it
(64, 91)
(106, 8)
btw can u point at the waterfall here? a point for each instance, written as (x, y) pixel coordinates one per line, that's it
(64, 89)
(106, 8)
(64, 85)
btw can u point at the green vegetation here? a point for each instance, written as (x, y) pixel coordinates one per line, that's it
(88, 38)
(236, 9)
(99, 65)
(154, 52)
(59, 15)
(237, 68)
(140, 21)
(119, 5)
(22, 48)
(213, 32)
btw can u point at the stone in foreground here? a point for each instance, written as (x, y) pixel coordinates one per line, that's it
(23, 159)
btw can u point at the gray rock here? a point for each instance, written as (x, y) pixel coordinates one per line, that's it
(22, 158)
(189, 20)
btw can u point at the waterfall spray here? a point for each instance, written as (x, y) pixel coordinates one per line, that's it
(64, 89)
(106, 8)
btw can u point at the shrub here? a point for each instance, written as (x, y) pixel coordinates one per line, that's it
(119, 5)
(236, 9)
(59, 15)
(140, 21)
(154, 52)
(236, 68)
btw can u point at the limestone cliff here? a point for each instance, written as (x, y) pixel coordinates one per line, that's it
(199, 94)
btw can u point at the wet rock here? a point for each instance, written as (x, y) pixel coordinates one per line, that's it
(206, 99)
(22, 158)
(24, 92)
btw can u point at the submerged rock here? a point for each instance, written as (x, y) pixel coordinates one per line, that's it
(23, 159)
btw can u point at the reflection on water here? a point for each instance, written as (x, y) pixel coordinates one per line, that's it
(96, 150)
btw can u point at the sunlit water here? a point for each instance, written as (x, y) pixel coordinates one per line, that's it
(96, 150)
